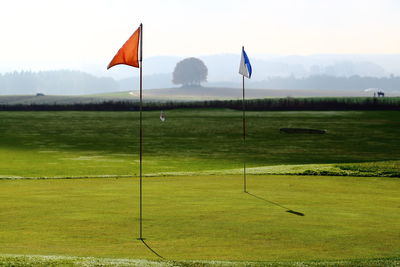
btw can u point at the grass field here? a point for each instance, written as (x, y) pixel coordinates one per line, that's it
(45, 261)
(76, 144)
(204, 218)
(194, 207)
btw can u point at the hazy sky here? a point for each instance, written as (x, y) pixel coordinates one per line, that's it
(53, 34)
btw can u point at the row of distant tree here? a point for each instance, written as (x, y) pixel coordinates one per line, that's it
(328, 103)
(55, 82)
(76, 82)
(188, 72)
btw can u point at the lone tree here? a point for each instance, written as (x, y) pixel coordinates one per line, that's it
(190, 72)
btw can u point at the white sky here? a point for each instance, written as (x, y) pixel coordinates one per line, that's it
(53, 34)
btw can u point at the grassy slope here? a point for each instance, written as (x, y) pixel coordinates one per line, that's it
(204, 218)
(48, 144)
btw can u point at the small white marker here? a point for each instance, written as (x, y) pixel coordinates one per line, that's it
(162, 116)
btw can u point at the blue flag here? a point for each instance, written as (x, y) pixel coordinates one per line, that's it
(245, 66)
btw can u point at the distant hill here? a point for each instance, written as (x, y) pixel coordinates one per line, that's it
(56, 82)
(224, 67)
(65, 82)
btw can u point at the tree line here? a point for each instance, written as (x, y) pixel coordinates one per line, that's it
(54, 82)
(267, 104)
(77, 83)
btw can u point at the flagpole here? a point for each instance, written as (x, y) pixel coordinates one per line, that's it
(244, 137)
(141, 134)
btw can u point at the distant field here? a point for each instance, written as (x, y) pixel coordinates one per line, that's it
(48, 99)
(179, 94)
(221, 93)
(65, 144)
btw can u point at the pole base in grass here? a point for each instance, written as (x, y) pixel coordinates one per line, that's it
(140, 238)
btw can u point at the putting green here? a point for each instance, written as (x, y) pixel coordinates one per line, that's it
(203, 217)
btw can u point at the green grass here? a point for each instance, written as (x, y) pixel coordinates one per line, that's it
(193, 207)
(204, 218)
(81, 144)
(45, 261)
(386, 168)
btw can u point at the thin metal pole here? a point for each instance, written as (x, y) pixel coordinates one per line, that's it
(141, 133)
(244, 138)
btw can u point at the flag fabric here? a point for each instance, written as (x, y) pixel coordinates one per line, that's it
(245, 66)
(162, 116)
(128, 54)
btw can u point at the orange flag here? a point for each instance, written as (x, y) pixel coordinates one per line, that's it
(128, 53)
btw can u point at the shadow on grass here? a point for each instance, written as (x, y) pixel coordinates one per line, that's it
(152, 250)
(277, 204)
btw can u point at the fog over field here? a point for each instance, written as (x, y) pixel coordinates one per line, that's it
(287, 42)
(224, 67)
(333, 75)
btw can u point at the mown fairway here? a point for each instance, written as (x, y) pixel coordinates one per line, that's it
(203, 217)
(68, 144)
(191, 215)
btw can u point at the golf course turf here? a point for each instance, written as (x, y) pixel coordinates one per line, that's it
(87, 144)
(204, 217)
(194, 204)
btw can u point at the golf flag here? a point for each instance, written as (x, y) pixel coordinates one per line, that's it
(162, 116)
(131, 54)
(128, 53)
(245, 66)
(245, 71)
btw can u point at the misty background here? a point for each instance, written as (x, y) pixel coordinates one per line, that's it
(314, 72)
(63, 47)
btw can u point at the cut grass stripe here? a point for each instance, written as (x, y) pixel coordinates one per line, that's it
(40, 260)
(366, 169)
